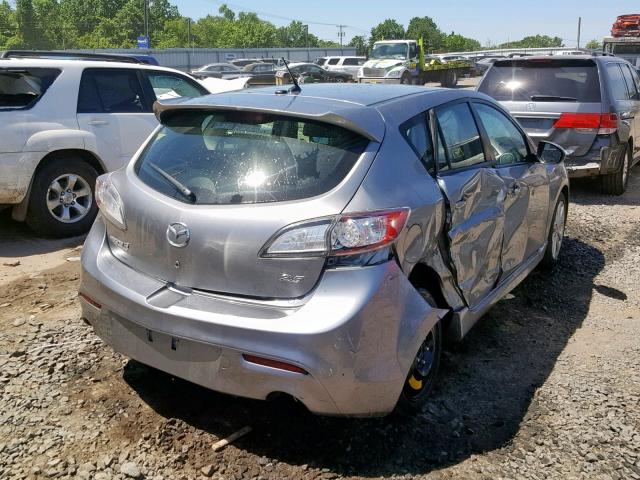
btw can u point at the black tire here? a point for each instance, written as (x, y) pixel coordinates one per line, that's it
(41, 220)
(616, 183)
(417, 388)
(406, 78)
(449, 79)
(551, 254)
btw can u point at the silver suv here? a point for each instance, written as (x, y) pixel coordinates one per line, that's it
(318, 244)
(588, 105)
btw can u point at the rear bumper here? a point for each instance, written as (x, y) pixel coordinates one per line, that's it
(356, 334)
(599, 161)
(16, 170)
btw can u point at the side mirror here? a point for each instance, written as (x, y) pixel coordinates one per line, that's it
(550, 152)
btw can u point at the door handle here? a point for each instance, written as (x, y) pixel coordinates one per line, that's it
(98, 122)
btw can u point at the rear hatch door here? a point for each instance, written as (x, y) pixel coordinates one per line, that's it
(539, 91)
(248, 175)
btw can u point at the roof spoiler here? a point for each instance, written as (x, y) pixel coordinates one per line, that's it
(167, 108)
(104, 57)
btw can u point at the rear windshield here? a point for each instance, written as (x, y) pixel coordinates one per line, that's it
(543, 80)
(21, 88)
(246, 157)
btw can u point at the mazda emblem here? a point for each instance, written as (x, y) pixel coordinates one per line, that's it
(178, 234)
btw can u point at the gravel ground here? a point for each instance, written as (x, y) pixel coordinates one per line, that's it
(546, 386)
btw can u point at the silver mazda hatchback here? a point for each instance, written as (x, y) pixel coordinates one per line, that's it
(320, 244)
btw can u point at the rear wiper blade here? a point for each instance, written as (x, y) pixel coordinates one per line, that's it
(552, 98)
(175, 182)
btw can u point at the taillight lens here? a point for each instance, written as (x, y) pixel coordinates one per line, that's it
(109, 201)
(606, 123)
(342, 235)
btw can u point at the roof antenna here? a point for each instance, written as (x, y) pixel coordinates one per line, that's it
(296, 88)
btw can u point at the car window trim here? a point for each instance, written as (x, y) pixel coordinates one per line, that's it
(484, 133)
(488, 163)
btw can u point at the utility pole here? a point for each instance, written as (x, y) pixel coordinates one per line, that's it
(189, 43)
(579, 25)
(146, 19)
(306, 38)
(341, 33)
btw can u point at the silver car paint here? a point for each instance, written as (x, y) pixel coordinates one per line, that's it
(355, 330)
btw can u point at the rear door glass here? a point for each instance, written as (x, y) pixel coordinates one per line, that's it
(167, 85)
(543, 80)
(21, 88)
(416, 133)
(460, 136)
(616, 82)
(631, 84)
(241, 157)
(111, 91)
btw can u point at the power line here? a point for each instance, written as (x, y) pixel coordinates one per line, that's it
(282, 17)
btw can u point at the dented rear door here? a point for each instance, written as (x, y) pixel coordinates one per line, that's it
(475, 195)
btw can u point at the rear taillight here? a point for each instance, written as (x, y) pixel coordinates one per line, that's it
(345, 234)
(109, 201)
(605, 124)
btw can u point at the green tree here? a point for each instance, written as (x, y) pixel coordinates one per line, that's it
(594, 45)
(226, 12)
(426, 28)
(27, 27)
(360, 42)
(458, 43)
(535, 41)
(387, 30)
(8, 26)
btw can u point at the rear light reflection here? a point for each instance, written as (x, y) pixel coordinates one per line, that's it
(606, 123)
(267, 362)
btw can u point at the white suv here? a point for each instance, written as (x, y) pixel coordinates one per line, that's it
(349, 65)
(63, 122)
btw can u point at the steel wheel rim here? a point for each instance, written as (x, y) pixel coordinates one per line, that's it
(422, 365)
(558, 229)
(69, 198)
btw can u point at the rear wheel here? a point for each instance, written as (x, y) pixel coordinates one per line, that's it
(62, 202)
(424, 370)
(616, 183)
(449, 79)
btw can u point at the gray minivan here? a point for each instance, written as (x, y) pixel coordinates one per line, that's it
(589, 105)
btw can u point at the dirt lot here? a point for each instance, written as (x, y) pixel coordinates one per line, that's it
(546, 386)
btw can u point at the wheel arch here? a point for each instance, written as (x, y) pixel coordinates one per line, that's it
(425, 276)
(19, 211)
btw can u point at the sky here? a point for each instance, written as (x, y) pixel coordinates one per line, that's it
(494, 21)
